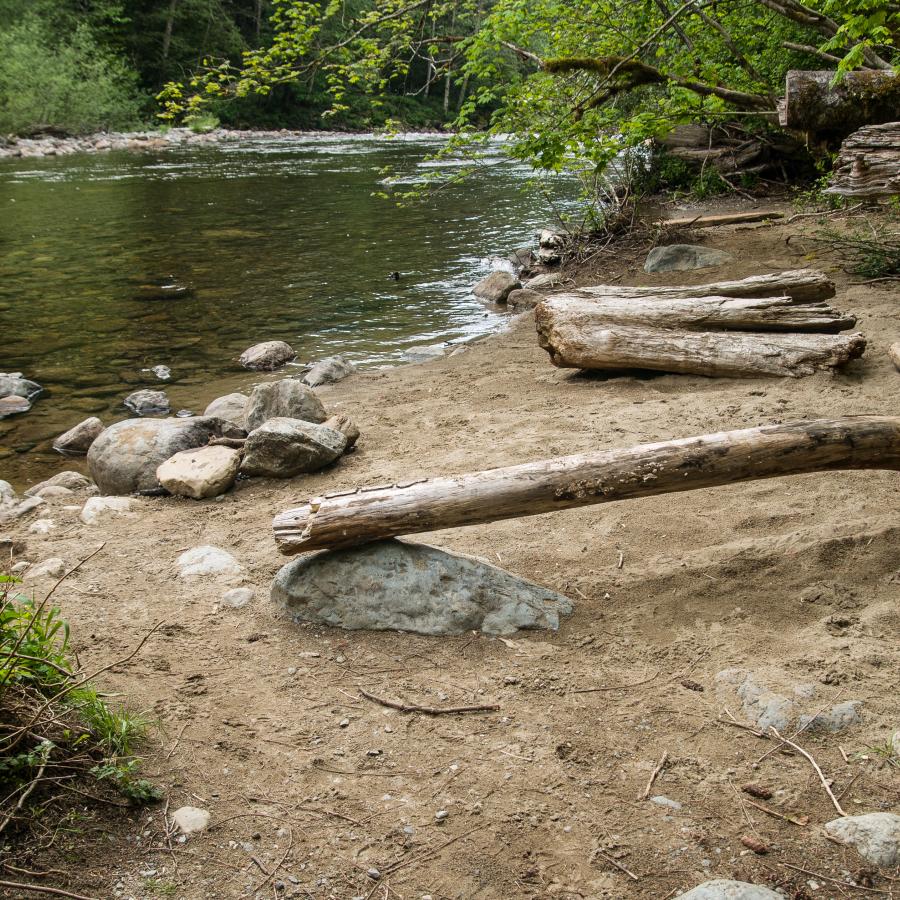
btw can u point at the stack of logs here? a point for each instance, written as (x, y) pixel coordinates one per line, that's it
(768, 325)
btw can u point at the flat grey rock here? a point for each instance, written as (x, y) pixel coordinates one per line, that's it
(199, 473)
(267, 356)
(684, 257)
(726, 889)
(148, 403)
(237, 598)
(283, 447)
(397, 585)
(97, 509)
(496, 287)
(78, 439)
(289, 399)
(875, 836)
(328, 371)
(72, 481)
(839, 717)
(232, 408)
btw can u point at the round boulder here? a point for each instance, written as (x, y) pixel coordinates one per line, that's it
(77, 440)
(148, 403)
(267, 356)
(232, 408)
(496, 287)
(282, 448)
(204, 472)
(289, 399)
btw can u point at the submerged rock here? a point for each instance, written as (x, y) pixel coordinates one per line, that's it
(288, 398)
(168, 289)
(148, 403)
(283, 447)
(13, 405)
(496, 287)
(328, 371)
(267, 356)
(199, 473)
(12, 384)
(163, 373)
(78, 439)
(684, 257)
(726, 889)
(875, 836)
(232, 408)
(395, 585)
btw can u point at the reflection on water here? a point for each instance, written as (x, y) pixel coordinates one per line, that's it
(279, 239)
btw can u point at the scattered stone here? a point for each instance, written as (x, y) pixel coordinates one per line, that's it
(346, 427)
(184, 414)
(284, 447)
(191, 819)
(344, 723)
(19, 568)
(49, 568)
(683, 257)
(523, 298)
(148, 403)
(425, 353)
(41, 526)
(550, 245)
(726, 889)
(839, 717)
(202, 472)
(396, 585)
(77, 440)
(12, 384)
(55, 492)
(96, 509)
(232, 408)
(7, 494)
(267, 356)
(163, 373)
(237, 597)
(374, 874)
(72, 481)
(17, 510)
(521, 257)
(668, 802)
(12, 405)
(441, 814)
(544, 281)
(288, 399)
(895, 355)
(875, 836)
(125, 457)
(496, 287)
(328, 371)
(207, 561)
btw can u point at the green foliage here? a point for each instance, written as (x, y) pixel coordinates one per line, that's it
(871, 250)
(202, 122)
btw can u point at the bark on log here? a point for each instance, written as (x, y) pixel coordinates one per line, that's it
(725, 219)
(863, 97)
(356, 517)
(869, 163)
(801, 285)
(732, 354)
(705, 313)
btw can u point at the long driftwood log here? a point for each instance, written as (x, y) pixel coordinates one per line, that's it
(356, 517)
(801, 285)
(707, 313)
(869, 163)
(734, 354)
(723, 219)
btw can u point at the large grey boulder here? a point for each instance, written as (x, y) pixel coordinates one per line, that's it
(396, 585)
(232, 408)
(496, 287)
(726, 889)
(148, 403)
(684, 257)
(289, 398)
(12, 384)
(267, 356)
(328, 371)
(283, 447)
(199, 473)
(124, 459)
(78, 439)
(875, 836)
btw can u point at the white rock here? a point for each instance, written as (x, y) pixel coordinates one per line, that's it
(207, 561)
(55, 492)
(96, 509)
(895, 745)
(7, 494)
(875, 836)
(49, 568)
(199, 473)
(237, 597)
(19, 567)
(17, 510)
(41, 526)
(726, 889)
(191, 819)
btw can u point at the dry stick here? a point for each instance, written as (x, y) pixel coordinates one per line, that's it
(616, 687)
(24, 797)
(428, 854)
(177, 739)
(617, 864)
(653, 776)
(815, 765)
(274, 871)
(430, 710)
(43, 889)
(800, 731)
(852, 887)
(794, 820)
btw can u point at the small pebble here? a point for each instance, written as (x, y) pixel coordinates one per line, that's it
(374, 874)
(343, 723)
(373, 752)
(441, 814)
(388, 729)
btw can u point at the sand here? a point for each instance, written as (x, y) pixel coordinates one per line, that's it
(310, 786)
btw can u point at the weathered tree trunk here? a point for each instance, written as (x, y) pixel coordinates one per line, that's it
(724, 219)
(869, 163)
(801, 285)
(356, 517)
(717, 353)
(706, 313)
(864, 97)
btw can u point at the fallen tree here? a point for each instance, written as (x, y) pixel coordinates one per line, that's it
(356, 517)
(801, 285)
(869, 162)
(709, 313)
(716, 353)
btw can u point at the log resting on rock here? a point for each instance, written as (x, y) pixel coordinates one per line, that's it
(801, 285)
(358, 516)
(707, 313)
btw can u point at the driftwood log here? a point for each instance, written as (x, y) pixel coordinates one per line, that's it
(708, 313)
(734, 354)
(723, 219)
(814, 103)
(801, 285)
(869, 163)
(356, 517)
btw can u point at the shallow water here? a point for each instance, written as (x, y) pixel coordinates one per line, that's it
(278, 239)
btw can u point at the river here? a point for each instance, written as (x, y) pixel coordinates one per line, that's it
(276, 239)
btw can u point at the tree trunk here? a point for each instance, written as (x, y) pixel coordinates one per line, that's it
(869, 163)
(167, 34)
(362, 515)
(864, 97)
(801, 285)
(706, 313)
(731, 354)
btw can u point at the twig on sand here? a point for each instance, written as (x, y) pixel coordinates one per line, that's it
(731, 720)
(802, 821)
(616, 863)
(653, 776)
(843, 884)
(43, 889)
(815, 765)
(272, 874)
(430, 710)
(428, 854)
(616, 687)
(177, 740)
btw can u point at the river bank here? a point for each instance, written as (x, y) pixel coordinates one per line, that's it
(791, 584)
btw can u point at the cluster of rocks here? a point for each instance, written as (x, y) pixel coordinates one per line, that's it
(16, 393)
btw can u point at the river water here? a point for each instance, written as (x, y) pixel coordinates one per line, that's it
(277, 239)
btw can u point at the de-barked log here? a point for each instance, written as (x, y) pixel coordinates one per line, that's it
(721, 219)
(358, 516)
(707, 313)
(801, 285)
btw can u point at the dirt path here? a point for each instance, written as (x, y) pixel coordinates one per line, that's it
(311, 786)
